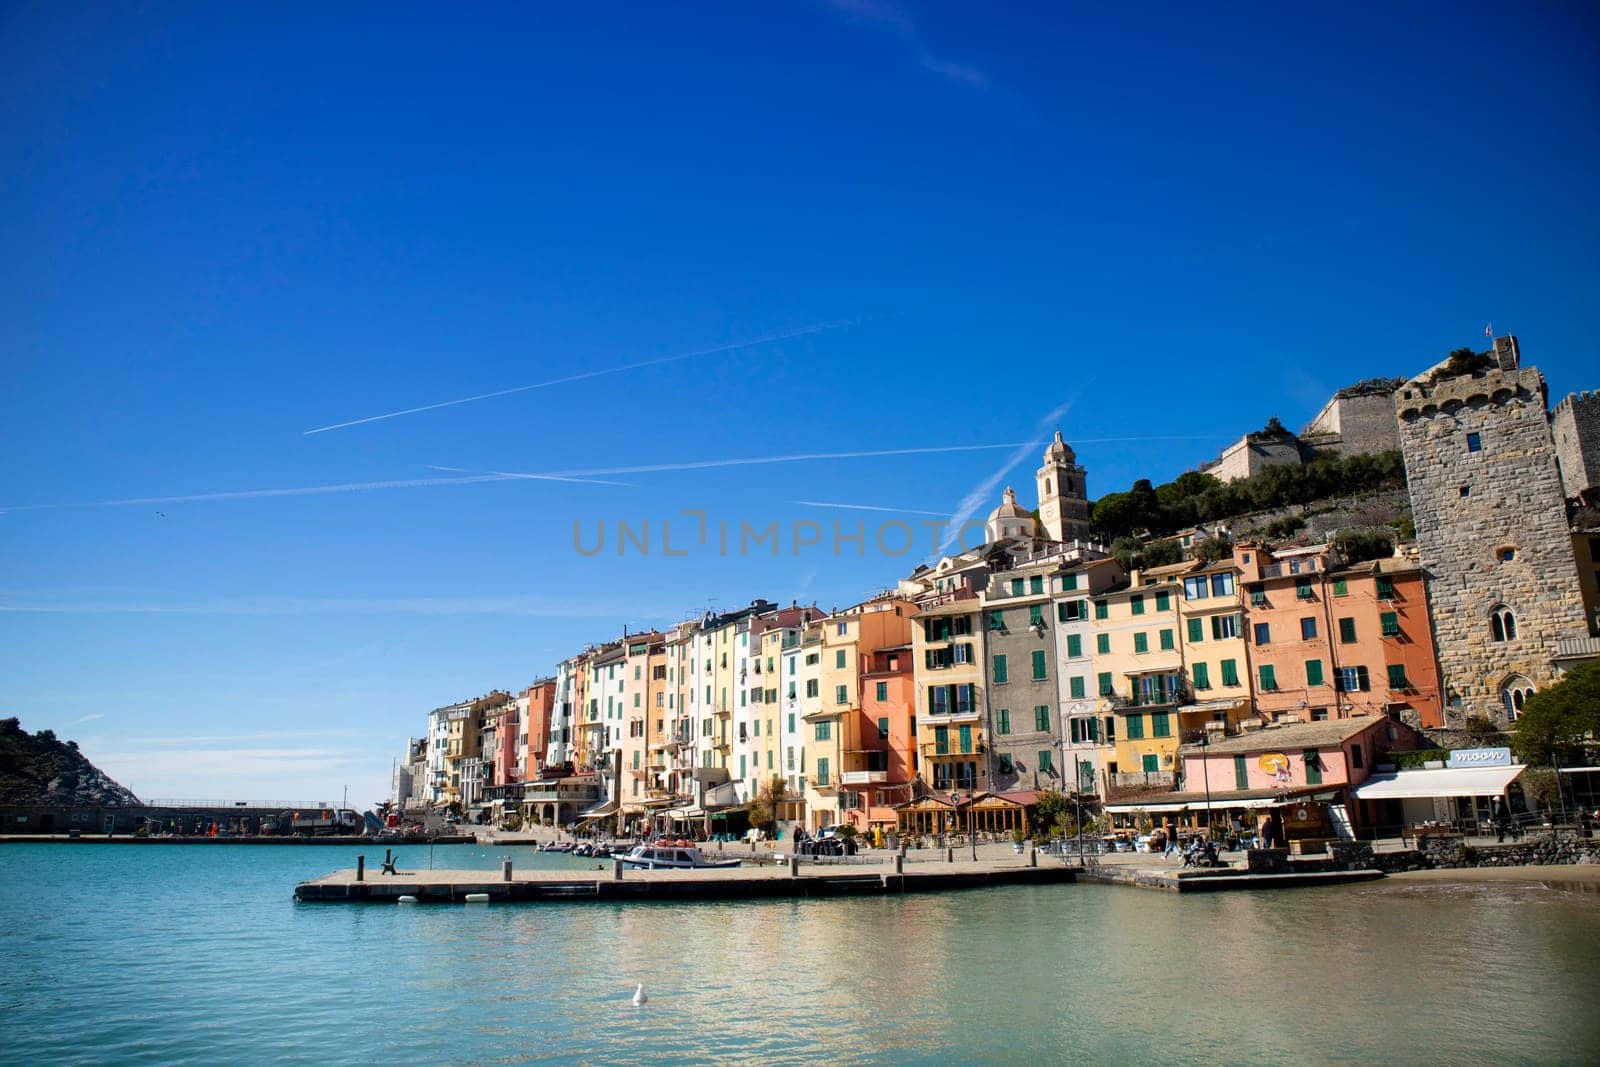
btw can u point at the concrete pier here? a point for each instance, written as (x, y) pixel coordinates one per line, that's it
(1215, 880)
(736, 883)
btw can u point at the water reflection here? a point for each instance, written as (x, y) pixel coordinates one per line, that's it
(199, 954)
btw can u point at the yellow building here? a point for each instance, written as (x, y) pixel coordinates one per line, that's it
(1215, 655)
(1139, 676)
(947, 657)
(834, 741)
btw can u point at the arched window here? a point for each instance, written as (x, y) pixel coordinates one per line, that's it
(1513, 694)
(1047, 487)
(1503, 624)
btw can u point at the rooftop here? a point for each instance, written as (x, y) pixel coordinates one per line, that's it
(1289, 735)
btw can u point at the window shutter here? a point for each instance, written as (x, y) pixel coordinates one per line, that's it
(1196, 631)
(1314, 672)
(1397, 676)
(1075, 687)
(1166, 640)
(1202, 676)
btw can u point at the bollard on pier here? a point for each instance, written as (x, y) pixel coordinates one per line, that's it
(616, 869)
(505, 869)
(361, 868)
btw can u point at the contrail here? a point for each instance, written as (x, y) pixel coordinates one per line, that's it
(803, 332)
(585, 476)
(984, 490)
(865, 507)
(257, 494)
(500, 475)
(596, 476)
(799, 457)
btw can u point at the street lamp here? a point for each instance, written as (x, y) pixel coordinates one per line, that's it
(1077, 804)
(1205, 771)
(955, 802)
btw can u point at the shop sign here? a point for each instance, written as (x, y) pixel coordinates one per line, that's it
(1479, 757)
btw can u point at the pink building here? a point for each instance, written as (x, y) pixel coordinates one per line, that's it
(1297, 759)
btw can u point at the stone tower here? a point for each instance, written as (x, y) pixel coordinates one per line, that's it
(1492, 532)
(1575, 425)
(1063, 499)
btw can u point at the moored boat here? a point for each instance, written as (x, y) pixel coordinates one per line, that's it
(671, 855)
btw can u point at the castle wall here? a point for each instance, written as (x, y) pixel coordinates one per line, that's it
(1575, 426)
(1252, 455)
(1491, 530)
(1354, 425)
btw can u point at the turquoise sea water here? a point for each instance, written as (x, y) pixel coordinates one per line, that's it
(115, 954)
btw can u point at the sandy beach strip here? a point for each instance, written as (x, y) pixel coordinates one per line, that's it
(1562, 873)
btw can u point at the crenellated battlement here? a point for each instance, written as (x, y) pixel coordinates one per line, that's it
(1423, 398)
(1587, 398)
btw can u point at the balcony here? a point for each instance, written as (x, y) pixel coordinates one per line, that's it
(863, 777)
(1144, 780)
(969, 715)
(930, 751)
(1577, 647)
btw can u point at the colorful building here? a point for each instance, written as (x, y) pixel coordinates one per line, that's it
(1329, 641)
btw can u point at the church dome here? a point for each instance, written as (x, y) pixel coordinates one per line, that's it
(1059, 450)
(1009, 508)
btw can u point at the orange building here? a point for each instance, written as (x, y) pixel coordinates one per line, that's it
(1327, 641)
(541, 697)
(886, 761)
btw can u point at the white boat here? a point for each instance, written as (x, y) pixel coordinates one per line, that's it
(671, 855)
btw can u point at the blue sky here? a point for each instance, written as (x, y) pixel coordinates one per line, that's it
(226, 227)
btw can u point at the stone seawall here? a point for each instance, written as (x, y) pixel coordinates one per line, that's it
(1446, 853)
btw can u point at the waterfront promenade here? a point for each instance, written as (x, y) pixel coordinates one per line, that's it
(612, 882)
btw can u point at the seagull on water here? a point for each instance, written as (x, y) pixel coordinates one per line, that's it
(638, 996)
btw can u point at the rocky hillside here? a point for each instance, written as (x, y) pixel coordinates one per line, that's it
(39, 769)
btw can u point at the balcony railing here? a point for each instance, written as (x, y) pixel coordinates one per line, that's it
(1577, 647)
(951, 751)
(1145, 779)
(863, 777)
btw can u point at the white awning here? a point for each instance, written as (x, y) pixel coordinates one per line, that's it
(600, 810)
(1124, 809)
(1440, 782)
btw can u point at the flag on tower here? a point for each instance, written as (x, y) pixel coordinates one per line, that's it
(1488, 331)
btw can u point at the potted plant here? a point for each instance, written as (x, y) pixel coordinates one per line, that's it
(1018, 837)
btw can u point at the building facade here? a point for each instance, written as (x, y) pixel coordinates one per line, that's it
(1490, 514)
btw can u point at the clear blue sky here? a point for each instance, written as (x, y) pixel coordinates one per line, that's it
(224, 227)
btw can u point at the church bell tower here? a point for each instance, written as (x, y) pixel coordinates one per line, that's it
(1063, 496)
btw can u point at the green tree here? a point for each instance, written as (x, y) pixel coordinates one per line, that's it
(1052, 809)
(1463, 361)
(1561, 724)
(763, 807)
(1359, 546)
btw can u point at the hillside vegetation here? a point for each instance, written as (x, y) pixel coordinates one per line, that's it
(1194, 498)
(40, 769)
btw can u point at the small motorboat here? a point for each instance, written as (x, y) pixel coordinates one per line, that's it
(671, 855)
